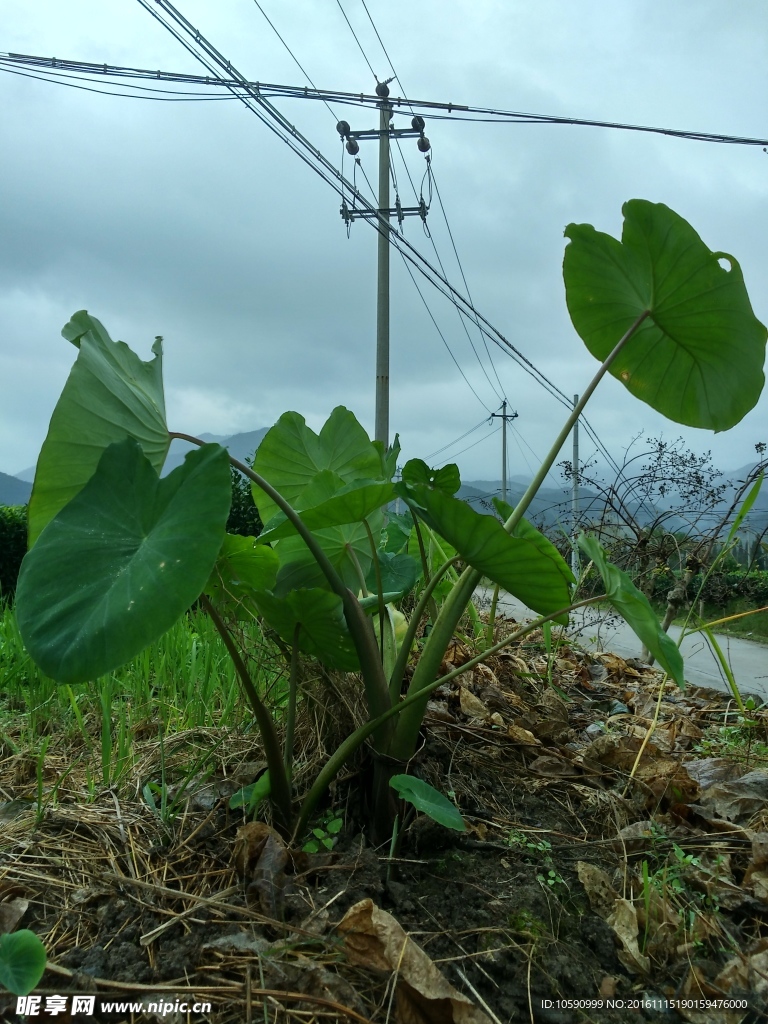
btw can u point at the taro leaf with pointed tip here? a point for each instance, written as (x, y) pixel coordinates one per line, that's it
(446, 479)
(698, 357)
(292, 454)
(22, 961)
(746, 506)
(351, 504)
(122, 561)
(251, 796)
(110, 394)
(323, 634)
(242, 567)
(429, 801)
(526, 565)
(397, 531)
(398, 574)
(388, 457)
(341, 544)
(528, 531)
(635, 609)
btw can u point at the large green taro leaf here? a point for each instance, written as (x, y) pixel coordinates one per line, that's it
(122, 561)
(447, 479)
(398, 531)
(110, 394)
(398, 574)
(350, 504)
(22, 961)
(343, 545)
(429, 801)
(292, 454)
(242, 568)
(525, 564)
(698, 357)
(323, 634)
(636, 610)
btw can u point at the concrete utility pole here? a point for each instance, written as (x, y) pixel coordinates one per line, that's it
(575, 494)
(383, 213)
(503, 416)
(382, 293)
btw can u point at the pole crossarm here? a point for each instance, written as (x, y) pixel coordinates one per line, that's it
(393, 211)
(394, 133)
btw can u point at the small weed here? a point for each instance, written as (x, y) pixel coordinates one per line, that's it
(739, 741)
(552, 880)
(525, 841)
(525, 923)
(325, 834)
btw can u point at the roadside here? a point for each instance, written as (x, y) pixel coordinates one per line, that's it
(600, 630)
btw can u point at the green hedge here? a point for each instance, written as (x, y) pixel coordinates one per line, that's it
(720, 588)
(243, 519)
(13, 546)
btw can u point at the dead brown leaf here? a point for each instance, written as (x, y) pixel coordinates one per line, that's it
(373, 938)
(11, 912)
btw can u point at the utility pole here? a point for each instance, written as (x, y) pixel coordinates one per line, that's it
(575, 494)
(382, 293)
(503, 416)
(383, 213)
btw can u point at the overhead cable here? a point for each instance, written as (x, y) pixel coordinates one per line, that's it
(456, 111)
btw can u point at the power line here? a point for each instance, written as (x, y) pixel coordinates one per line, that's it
(254, 97)
(464, 279)
(456, 440)
(292, 54)
(475, 443)
(166, 95)
(394, 183)
(381, 44)
(251, 96)
(360, 46)
(465, 112)
(432, 179)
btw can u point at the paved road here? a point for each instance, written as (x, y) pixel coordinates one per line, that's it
(604, 632)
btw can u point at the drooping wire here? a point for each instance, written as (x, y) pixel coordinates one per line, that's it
(359, 44)
(381, 43)
(456, 440)
(272, 118)
(429, 177)
(431, 315)
(475, 443)
(292, 55)
(166, 95)
(442, 336)
(270, 89)
(461, 271)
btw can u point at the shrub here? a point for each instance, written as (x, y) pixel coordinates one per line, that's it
(244, 517)
(13, 546)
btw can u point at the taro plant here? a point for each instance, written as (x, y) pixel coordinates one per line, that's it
(118, 554)
(22, 961)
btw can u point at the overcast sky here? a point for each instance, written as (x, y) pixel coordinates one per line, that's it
(192, 220)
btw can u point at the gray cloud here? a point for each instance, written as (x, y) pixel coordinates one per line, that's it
(192, 221)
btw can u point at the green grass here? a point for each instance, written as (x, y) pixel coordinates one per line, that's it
(185, 680)
(749, 627)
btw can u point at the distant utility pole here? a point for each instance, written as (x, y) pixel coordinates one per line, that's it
(504, 416)
(383, 213)
(575, 494)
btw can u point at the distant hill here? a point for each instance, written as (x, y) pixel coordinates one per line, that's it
(552, 505)
(240, 446)
(14, 491)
